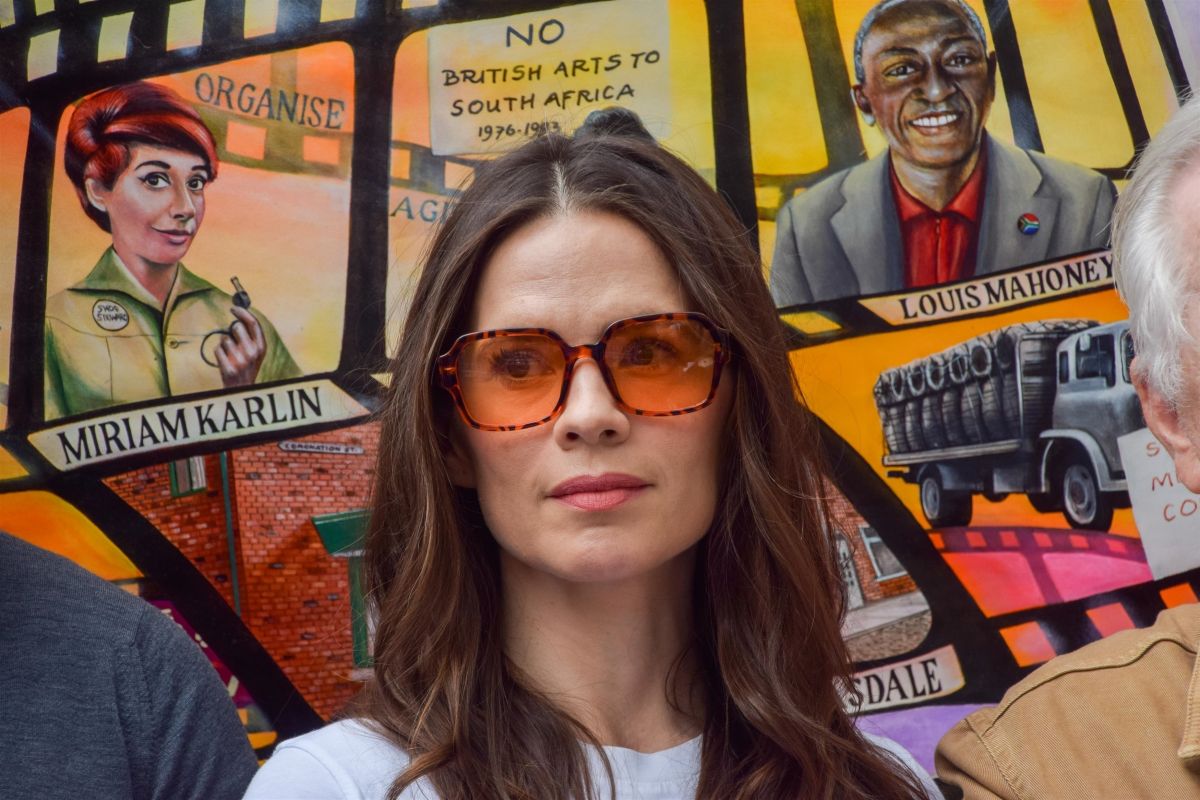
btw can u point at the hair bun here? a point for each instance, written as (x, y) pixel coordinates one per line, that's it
(613, 121)
(107, 109)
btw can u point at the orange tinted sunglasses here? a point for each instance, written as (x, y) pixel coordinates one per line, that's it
(655, 365)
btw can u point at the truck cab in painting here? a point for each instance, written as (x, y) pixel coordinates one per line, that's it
(1094, 405)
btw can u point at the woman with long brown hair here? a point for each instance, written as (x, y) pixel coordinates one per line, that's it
(598, 555)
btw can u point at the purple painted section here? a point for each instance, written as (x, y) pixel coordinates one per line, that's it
(918, 729)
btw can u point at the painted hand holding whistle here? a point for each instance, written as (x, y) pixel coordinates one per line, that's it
(238, 351)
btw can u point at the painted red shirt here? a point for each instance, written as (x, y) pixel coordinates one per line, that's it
(939, 246)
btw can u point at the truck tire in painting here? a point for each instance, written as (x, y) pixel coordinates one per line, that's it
(931, 421)
(943, 509)
(991, 384)
(932, 426)
(991, 392)
(914, 383)
(951, 418)
(1083, 504)
(957, 373)
(1010, 395)
(892, 414)
(971, 414)
(912, 425)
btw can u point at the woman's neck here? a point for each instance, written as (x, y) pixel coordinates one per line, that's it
(608, 653)
(157, 279)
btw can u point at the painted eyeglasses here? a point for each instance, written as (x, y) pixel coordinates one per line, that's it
(654, 365)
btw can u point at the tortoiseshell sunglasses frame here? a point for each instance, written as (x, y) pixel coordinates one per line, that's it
(447, 366)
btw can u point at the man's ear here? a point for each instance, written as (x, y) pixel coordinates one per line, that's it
(97, 194)
(991, 68)
(458, 462)
(1164, 420)
(864, 105)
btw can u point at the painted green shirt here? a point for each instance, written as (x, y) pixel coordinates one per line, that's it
(109, 343)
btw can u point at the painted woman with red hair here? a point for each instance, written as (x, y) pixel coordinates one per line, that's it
(140, 158)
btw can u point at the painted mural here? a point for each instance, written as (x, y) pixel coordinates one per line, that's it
(196, 336)
(944, 229)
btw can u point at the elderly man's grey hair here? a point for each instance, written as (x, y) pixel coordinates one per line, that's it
(869, 21)
(1152, 256)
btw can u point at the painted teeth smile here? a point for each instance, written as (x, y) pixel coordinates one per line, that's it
(935, 121)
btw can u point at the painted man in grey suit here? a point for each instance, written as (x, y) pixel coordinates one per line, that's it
(924, 74)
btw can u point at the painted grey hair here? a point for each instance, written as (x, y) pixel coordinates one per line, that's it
(1151, 262)
(869, 22)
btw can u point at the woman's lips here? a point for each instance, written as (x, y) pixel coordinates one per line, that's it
(176, 237)
(598, 492)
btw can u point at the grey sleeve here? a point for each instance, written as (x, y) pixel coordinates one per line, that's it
(184, 738)
(1102, 218)
(789, 285)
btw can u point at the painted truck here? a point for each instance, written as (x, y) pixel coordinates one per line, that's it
(1034, 408)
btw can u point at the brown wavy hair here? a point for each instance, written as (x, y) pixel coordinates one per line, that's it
(767, 593)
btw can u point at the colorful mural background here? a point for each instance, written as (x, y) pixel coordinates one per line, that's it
(238, 513)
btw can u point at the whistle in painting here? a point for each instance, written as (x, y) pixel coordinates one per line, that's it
(241, 298)
(212, 339)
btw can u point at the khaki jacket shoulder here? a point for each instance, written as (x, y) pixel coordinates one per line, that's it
(1119, 718)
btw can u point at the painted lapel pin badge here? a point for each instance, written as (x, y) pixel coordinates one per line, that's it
(1028, 224)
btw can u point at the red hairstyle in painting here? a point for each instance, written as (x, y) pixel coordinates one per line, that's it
(104, 126)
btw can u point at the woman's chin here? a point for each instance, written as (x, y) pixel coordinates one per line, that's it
(593, 564)
(173, 255)
(599, 566)
(165, 255)
(590, 564)
(603, 570)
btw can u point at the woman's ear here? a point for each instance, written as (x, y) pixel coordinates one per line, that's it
(458, 459)
(97, 194)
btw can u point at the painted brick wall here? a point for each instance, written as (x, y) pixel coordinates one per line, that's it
(901, 585)
(195, 524)
(850, 522)
(294, 595)
(296, 598)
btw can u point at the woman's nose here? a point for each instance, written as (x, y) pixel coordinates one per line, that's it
(591, 413)
(183, 207)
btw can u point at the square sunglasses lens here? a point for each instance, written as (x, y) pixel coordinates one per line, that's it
(511, 380)
(665, 365)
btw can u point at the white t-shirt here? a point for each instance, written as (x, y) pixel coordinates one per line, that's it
(347, 761)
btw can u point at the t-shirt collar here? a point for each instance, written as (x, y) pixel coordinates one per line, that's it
(679, 764)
